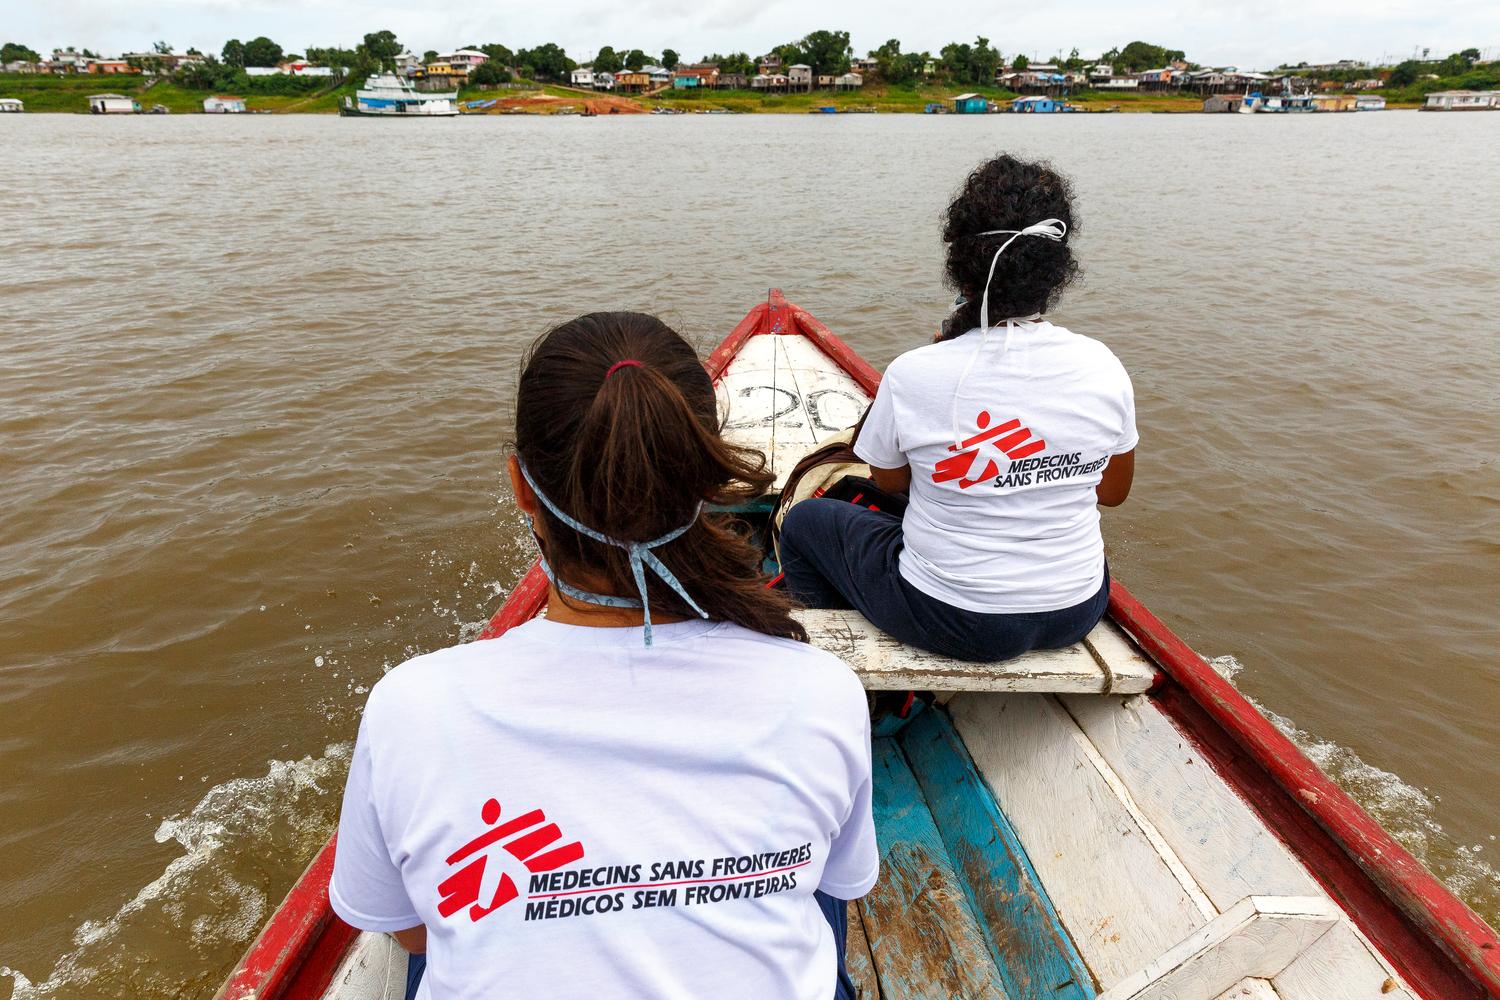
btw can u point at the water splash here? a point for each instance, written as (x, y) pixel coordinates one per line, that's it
(209, 898)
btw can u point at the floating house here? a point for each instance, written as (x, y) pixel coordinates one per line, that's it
(224, 104)
(1038, 106)
(1334, 102)
(1231, 103)
(1463, 100)
(970, 104)
(1369, 102)
(112, 104)
(11, 106)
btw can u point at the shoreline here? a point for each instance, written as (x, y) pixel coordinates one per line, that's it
(69, 94)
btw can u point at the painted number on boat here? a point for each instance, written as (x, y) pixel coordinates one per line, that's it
(827, 410)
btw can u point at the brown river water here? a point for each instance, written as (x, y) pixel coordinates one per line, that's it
(255, 378)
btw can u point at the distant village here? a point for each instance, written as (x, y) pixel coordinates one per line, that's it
(826, 64)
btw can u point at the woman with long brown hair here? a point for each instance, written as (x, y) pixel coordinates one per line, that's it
(659, 789)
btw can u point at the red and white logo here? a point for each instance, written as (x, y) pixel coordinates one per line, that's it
(1008, 441)
(482, 886)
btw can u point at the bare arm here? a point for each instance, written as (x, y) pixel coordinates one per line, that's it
(892, 480)
(1118, 475)
(413, 939)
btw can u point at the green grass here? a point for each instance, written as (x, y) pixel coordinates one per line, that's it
(70, 94)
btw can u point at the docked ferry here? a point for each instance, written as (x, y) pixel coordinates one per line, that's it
(387, 95)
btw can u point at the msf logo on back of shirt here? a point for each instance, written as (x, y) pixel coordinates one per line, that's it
(480, 885)
(1008, 441)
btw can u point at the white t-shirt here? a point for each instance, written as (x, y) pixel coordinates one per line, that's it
(1003, 516)
(572, 814)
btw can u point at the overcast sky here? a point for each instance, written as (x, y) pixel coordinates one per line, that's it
(1217, 32)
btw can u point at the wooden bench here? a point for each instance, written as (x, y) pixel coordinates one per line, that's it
(1106, 662)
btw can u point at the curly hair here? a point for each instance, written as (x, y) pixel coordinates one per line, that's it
(1008, 193)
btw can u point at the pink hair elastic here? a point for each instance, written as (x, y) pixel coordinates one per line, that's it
(621, 364)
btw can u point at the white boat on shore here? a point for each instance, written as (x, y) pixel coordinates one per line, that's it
(387, 95)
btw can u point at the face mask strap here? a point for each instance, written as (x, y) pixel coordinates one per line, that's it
(641, 558)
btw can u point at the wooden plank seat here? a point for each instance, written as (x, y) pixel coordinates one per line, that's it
(1106, 662)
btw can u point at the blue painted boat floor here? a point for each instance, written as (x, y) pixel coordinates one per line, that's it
(959, 910)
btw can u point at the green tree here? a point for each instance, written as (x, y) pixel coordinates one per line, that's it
(1143, 55)
(827, 51)
(161, 48)
(895, 68)
(1469, 56)
(547, 61)
(334, 57)
(489, 73)
(430, 56)
(498, 54)
(635, 59)
(955, 57)
(608, 60)
(16, 52)
(1405, 74)
(1019, 63)
(381, 48)
(735, 62)
(233, 53)
(670, 58)
(984, 63)
(262, 52)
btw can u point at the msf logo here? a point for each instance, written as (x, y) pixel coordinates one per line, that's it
(1007, 442)
(482, 886)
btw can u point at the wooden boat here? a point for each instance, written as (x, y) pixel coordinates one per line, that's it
(1109, 821)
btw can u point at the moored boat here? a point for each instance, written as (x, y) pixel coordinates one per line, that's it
(1112, 821)
(386, 95)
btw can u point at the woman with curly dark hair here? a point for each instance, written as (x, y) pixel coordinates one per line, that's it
(1008, 432)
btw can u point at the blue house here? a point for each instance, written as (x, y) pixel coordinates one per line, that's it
(970, 104)
(1038, 106)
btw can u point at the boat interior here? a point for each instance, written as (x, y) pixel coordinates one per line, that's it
(1047, 831)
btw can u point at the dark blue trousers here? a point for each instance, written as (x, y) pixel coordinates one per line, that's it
(835, 911)
(841, 555)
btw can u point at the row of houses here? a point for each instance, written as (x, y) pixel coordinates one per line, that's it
(708, 76)
(66, 62)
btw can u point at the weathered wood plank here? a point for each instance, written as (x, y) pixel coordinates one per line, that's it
(1128, 668)
(1257, 937)
(1035, 956)
(1117, 898)
(858, 960)
(922, 935)
(885, 664)
(374, 968)
(1220, 841)
(782, 396)
(1250, 989)
(1340, 966)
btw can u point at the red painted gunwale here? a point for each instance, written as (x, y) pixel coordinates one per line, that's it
(1441, 947)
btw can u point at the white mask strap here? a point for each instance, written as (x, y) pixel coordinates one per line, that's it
(1049, 229)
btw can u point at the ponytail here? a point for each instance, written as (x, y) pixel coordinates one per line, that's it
(617, 422)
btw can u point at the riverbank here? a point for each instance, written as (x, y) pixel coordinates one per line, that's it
(69, 94)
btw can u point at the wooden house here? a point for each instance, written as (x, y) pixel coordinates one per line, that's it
(224, 104)
(771, 82)
(849, 81)
(970, 104)
(1333, 102)
(604, 81)
(582, 77)
(11, 106)
(112, 104)
(1462, 100)
(799, 77)
(825, 81)
(732, 81)
(770, 65)
(632, 82)
(1224, 103)
(685, 81)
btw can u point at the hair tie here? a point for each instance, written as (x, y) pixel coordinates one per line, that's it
(621, 364)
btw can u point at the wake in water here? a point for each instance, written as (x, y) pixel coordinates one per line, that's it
(1408, 812)
(210, 899)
